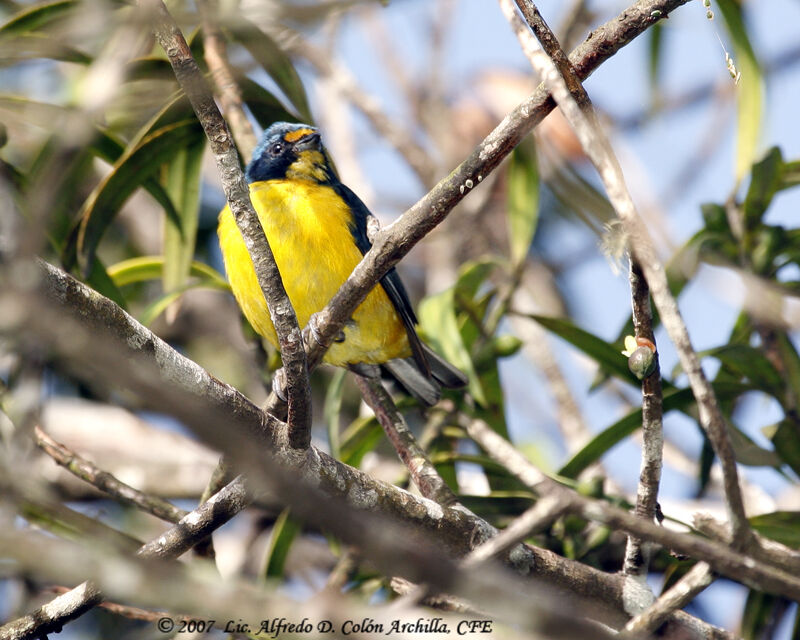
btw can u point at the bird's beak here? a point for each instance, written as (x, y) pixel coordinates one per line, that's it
(308, 141)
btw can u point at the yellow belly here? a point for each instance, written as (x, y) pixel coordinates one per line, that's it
(307, 229)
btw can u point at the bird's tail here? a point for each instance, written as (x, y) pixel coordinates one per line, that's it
(426, 389)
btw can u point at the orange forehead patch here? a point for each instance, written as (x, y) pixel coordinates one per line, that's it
(295, 135)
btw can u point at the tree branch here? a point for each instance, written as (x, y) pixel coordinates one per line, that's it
(236, 190)
(105, 481)
(423, 473)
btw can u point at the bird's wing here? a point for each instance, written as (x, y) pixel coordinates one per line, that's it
(391, 282)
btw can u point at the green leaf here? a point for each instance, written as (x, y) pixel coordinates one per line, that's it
(183, 175)
(758, 616)
(37, 16)
(655, 56)
(439, 321)
(332, 410)
(145, 268)
(275, 62)
(284, 531)
(359, 438)
(785, 438)
(523, 201)
(134, 166)
(680, 399)
(749, 363)
(790, 177)
(765, 181)
(783, 526)
(606, 355)
(266, 108)
(750, 88)
(100, 280)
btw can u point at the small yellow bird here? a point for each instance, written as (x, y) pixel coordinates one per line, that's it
(317, 229)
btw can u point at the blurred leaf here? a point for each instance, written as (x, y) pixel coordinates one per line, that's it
(785, 438)
(183, 176)
(152, 268)
(523, 200)
(101, 282)
(438, 319)
(266, 108)
(275, 62)
(790, 176)
(681, 399)
(284, 531)
(29, 46)
(783, 526)
(765, 181)
(160, 305)
(750, 89)
(134, 166)
(758, 616)
(37, 16)
(607, 356)
(747, 452)
(358, 439)
(655, 51)
(749, 363)
(332, 410)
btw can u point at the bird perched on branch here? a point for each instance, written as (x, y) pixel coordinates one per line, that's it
(317, 229)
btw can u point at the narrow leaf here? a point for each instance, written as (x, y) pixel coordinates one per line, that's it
(284, 531)
(145, 268)
(750, 89)
(523, 201)
(36, 16)
(183, 175)
(332, 410)
(765, 181)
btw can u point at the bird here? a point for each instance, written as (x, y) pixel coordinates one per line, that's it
(317, 229)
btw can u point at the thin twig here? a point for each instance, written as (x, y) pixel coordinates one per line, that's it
(547, 509)
(105, 481)
(636, 556)
(428, 481)
(597, 148)
(133, 613)
(236, 190)
(676, 597)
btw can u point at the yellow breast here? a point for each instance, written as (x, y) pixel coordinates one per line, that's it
(307, 228)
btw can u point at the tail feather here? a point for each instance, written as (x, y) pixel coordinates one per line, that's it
(427, 389)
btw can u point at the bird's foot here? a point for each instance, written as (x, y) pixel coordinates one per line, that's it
(313, 325)
(279, 384)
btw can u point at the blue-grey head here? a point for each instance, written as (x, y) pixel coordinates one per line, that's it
(289, 151)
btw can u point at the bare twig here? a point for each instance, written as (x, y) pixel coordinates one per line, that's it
(105, 481)
(582, 120)
(547, 509)
(676, 597)
(636, 556)
(428, 481)
(281, 312)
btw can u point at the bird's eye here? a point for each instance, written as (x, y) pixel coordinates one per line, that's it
(276, 149)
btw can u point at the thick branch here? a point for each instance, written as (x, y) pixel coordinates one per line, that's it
(281, 312)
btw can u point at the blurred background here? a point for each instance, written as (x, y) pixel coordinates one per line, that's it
(109, 176)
